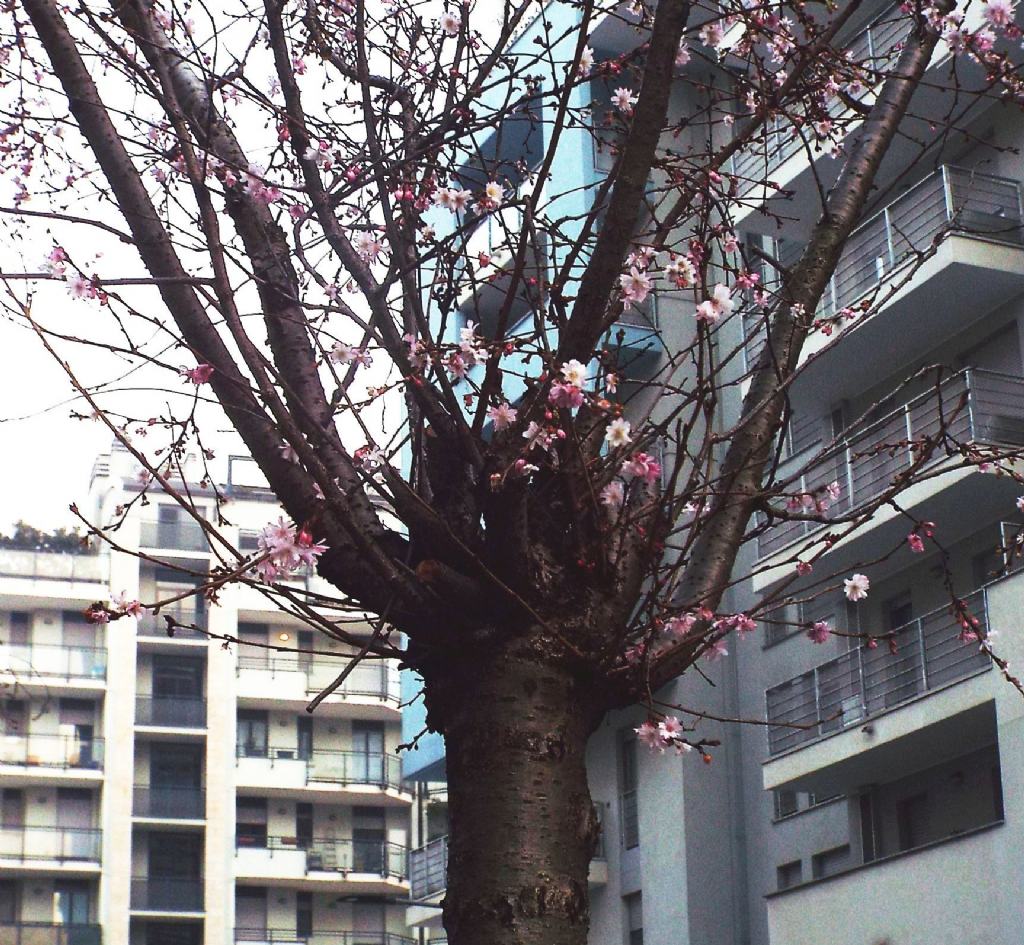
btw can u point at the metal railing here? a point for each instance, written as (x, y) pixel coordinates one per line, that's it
(428, 866)
(375, 679)
(320, 937)
(169, 803)
(866, 461)
(50, 843)
(337, 767)
(428, 869)
(49, 933)
(880, 42)
(176, 536)
(952, 199)
(52, 751)
(156, 625)
(51, 565)
(379, 857)
(53, 661)
(171, 711)
(863, 682)
(171, 894)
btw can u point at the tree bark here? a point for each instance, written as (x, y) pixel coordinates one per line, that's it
(523, 827)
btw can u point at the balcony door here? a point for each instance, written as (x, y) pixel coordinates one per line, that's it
(76, 819)
(177, 688)
(72, 903)
(367, 923)
(174, 871)
(175, 780)
(8, 901)
(252, 733)
(369, 835)
(368, 752)
(251, 913)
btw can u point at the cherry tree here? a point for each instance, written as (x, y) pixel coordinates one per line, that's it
(271, 212)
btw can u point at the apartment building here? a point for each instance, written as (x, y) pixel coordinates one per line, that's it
(166, 789)
(882, 802)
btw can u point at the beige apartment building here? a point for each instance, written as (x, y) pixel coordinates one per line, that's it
(161, 790)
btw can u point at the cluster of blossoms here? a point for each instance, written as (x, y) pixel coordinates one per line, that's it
(284, 548)
(342, 353)
(79, 287)
(819, 501)
(458, 200)
(668, 733)
(469, 352)
(917, 536)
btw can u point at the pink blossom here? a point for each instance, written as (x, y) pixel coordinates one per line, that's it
(916, 543)
(804, 568)
(502, 416)
(856, 587)
(819, 632)
(624, 100)
(642, 466)
(635, 285)
(647, 734)
(200, 374)
(716, 650)
(618, 433)
(565, 395)
(680, 625)
(125, 605)
(999, 12)
(613, 494)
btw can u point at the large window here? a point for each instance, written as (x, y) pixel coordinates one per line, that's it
(634, 919)
(628, 792)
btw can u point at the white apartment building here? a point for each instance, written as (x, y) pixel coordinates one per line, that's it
(170, 790)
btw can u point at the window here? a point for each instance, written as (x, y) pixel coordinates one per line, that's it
(912, 821)
(178, 676)
(368, 749)
(8, 902)
(830, 862)
(634, 919)
(304, 737)
(789, 874)
(252, 733)
(303, 915)
(251, 822)
(19, 633)
(369, 834)
(785, 803)
(628, 811)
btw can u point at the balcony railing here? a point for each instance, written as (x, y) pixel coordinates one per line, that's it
(53, 661)
(78, 844)
(338, 767)
(879, 42)
(376, 679)
(169, 803)
(170, 711)
(159, 894)
(378, 857)
(428, 869)
(865, 464)
(953, 199)
(51, 565)
(156, 625)
(48, 933)
(849, 689)
(320, 937)
(52, 751)
(174, 536)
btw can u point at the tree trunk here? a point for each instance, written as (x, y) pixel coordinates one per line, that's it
(523, 827)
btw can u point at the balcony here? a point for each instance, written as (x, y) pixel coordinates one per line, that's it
(428, 869)
(322, 774)
(371, 690)
(168, 803)
(54, 566)
(155, 625)
(975, 406)
(173, 536)
(59, 846)
(880, 41)
(862, 683)
(319, 937)
(166, 895)
(827, 909)
(366, 866)
(188, 712)
(976, 265)
(62, 756)
(48, 933)
(51, 663)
